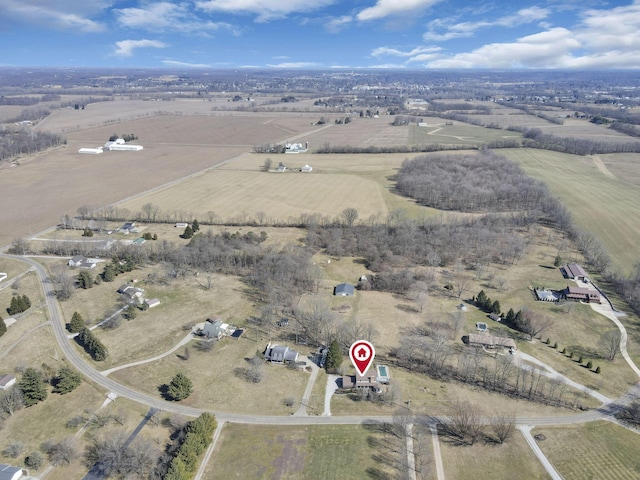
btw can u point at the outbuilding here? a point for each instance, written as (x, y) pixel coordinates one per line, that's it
(344, 290)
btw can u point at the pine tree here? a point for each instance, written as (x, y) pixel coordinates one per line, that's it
(32, 386)
(334, 356)
(67, 380)
(3, 327)
(180, 387)
(85, 279)
(177, 471)
(495, 307)
(76, 324)
(26, 303)
(195, 226)
(109, 273)
(481, 299)
(188, 232)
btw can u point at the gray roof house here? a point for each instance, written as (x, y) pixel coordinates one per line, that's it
(214, 329)
(344, 290)
(280, 354)
(80, 261)
(7, 472)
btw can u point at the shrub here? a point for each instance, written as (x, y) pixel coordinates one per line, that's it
(598, 369)
(589, 364)
(34, 460)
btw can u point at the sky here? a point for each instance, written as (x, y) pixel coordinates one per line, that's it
(321, 34)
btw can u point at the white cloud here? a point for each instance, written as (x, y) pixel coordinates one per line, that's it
(387, 8)
(62, 14)
(265, 10)
(162, 16)
(467, 29)
(337, 24)
(386, 51)
(125, 48)
(295, 65)
(602, 39)
(175, 63)
(549, 49)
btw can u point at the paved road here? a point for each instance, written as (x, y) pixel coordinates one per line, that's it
(77, 360)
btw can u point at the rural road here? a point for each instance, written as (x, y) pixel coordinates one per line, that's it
(301, 417)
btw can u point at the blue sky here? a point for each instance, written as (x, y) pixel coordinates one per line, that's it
(321, 34)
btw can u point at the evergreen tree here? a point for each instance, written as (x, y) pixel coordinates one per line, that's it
(26, 303)
(180, 387)
(76, 324)
(188, 232)
(3, 327)
(195, 226)
(32, 387)
(85, 279)
(495, 307)
(481, 299)
(67, 380)
(334, 356)
(177, 471)
(109, 273)
(511, 316)
(92, 345)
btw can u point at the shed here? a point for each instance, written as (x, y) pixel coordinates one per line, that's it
(575, 272)
(344, 290)
(6, 381)
(152, 302)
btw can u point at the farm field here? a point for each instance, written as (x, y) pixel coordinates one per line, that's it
(599, 204)
(328, 452)
(593, 451)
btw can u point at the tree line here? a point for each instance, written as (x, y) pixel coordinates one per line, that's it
(26, 142)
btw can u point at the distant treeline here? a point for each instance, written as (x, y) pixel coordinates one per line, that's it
(534, 138)
(30, 100)
(26, 142)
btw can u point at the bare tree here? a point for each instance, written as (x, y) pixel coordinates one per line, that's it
(10, 401)
(419, 295)
(503, 427)
(150, 212)
(464, 423)
(64, 283)
(114, 455)
(610, 343)
(60, 453)
(349, 216)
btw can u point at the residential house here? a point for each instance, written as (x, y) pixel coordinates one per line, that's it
(344, 290)
(131, 293)
(578, 294)
(7, 381)
(80, 261)
(367, 381)
(214, 328)
(280, 354)
(7, 472)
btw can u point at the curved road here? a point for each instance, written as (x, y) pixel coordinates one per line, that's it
(94, 375)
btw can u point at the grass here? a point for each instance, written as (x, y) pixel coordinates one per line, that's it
(490, 461)
(601, 205)
(456, 134)
(216, 386)
(598, 450)
(311, 452)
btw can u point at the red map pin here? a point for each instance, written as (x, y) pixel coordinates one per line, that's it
(361, 354)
